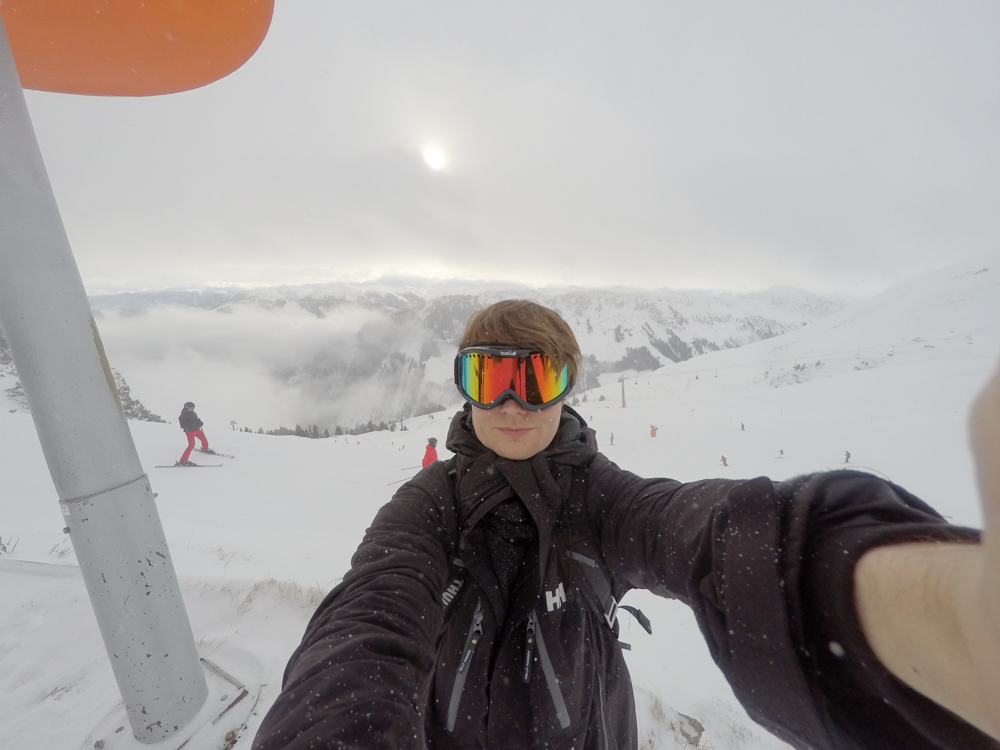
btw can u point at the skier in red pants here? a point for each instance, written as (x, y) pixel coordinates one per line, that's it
(192, 428)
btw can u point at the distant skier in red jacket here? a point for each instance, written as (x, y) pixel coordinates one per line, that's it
(431, 454)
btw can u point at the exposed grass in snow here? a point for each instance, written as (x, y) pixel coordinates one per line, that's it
(302, 596)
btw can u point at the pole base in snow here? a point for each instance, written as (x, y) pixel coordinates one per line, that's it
(222, 720)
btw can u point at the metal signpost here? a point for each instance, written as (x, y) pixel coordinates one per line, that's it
(103, 491)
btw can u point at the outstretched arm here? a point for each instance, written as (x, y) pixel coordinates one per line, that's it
(786, 628)
(360, 676)
(931, 611)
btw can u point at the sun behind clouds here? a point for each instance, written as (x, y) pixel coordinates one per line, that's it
(434, 157)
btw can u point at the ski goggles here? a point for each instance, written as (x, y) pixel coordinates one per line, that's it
(487, 376)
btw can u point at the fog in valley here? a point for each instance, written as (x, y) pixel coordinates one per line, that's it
(346, 355)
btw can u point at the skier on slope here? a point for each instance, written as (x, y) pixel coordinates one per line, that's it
(431, 454)
(191, 425)
(481, 607)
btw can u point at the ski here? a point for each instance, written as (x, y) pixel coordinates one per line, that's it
(215, 453)
(188, 466)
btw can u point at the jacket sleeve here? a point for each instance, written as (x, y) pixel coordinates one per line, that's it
(360, 677)
(768, 571)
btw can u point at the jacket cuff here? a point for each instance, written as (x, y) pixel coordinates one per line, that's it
(862, 697)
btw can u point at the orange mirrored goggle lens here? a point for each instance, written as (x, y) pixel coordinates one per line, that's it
(486, 378)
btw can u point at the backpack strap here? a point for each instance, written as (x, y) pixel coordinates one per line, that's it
(455, 583)
(585, 555)
(457, 570)
(639, 616)
(600, 586)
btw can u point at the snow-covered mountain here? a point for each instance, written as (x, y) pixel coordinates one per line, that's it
(340, 354)
(939, 316)
(670, 325)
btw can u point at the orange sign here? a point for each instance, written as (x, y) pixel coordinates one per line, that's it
(131, 47)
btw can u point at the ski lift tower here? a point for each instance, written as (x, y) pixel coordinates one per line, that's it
(104, 48)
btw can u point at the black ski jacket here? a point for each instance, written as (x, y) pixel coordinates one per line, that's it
(473, 615)
(189, 421)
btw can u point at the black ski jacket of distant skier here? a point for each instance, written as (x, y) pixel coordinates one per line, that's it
(509, 647)
(189, 421)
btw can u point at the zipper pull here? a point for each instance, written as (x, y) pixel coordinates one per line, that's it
(529, 648)
(474, 633)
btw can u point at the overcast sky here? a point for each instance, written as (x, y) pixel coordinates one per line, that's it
(838, 147)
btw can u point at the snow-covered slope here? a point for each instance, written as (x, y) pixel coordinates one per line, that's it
(258, 541)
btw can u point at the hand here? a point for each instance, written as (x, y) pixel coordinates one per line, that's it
(984, 429)
(931, 610)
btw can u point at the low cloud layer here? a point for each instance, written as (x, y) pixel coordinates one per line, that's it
(245, 362)
(344, 356)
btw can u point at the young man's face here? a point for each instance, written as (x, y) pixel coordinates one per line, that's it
(511, 431)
